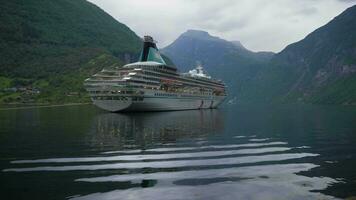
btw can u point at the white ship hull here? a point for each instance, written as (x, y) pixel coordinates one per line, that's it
(152, 103)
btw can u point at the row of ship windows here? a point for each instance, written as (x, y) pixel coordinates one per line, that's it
(112, 92)
(118, 98)
(167, 76)
(168, 71)
(195, 81)
(174, 95)
(165, 95)
(164, 75)
(192, 96)
(111, 98)
(142, 81)
(156, 94)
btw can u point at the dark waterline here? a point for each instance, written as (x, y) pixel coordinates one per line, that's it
(236, 152)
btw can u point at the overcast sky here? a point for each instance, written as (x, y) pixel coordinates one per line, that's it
(260, 25)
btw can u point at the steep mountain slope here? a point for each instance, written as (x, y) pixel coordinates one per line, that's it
(320, 68)
(226, 60)
(51, 45)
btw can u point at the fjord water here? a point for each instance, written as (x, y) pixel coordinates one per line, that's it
(235, 152)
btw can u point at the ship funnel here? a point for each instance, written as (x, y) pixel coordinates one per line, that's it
(150, 51)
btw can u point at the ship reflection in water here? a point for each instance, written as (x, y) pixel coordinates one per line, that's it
(142, 130)
(177, 155)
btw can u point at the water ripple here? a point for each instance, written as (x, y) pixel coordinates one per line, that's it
(198, 172)
(245, 172)
(157, 156)
(199, 148)
(169, 164)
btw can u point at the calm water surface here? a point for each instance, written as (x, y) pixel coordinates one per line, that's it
(236, 152)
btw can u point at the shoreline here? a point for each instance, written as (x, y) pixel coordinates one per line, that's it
(23, 106)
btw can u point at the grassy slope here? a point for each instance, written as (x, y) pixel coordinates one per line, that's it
(54, 45)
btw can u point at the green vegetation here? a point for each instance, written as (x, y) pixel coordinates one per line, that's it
(61, 88)
(341, 91)
(5, 83)
(53, 45)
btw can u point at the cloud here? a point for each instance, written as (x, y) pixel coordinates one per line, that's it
(261, 25)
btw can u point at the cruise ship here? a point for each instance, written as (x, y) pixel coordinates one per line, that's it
(152, 85)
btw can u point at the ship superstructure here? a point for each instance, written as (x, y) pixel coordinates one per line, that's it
(152, 85)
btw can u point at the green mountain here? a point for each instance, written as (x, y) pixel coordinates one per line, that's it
(48, 47)
(226, 60)
(318, 69)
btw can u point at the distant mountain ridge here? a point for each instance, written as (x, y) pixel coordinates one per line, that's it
(318, 69)
(196, 45)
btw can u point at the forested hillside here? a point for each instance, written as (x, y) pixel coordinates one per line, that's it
(48, 47)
